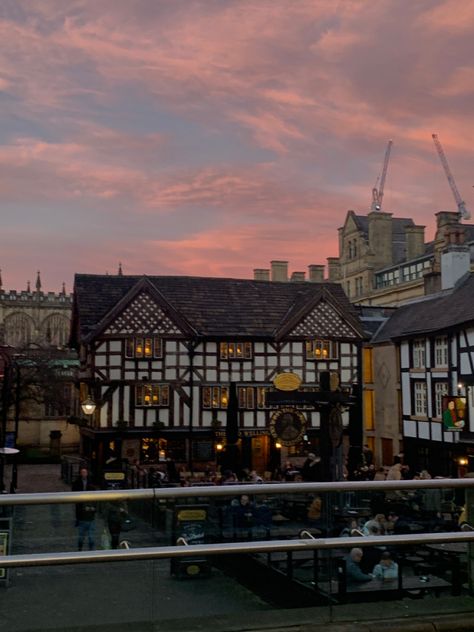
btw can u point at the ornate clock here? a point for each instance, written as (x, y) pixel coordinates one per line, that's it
(288, 426)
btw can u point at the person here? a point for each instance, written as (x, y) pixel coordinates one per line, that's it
(116, 513)
(243, 511)
(85, 512)
(314, 512)
(387, 568)
(354, 572)
(400, 526)
(311, 470)
(375, 526)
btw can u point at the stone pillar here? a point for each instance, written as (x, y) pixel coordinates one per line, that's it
(279, 271)
(316, 273)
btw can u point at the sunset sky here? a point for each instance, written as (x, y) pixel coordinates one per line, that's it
(207, 137)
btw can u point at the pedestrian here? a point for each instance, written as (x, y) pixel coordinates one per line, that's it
(85, 511)
(311, 470)
(116, 514)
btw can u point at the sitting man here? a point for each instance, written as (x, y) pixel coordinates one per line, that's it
(386, 568)
(354, 572)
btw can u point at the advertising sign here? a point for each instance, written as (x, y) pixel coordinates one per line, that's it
(454, 412)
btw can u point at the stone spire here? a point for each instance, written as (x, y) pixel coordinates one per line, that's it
(28, 287)
(1, 283)
(63, 291)
(120, 273)
(38, 282)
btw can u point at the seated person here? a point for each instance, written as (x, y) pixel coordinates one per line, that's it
(354, 572)
(375, 526)
(386, 568)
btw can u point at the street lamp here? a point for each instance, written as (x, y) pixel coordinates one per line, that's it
(88, 406)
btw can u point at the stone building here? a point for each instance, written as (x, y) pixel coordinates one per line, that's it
(37, 323)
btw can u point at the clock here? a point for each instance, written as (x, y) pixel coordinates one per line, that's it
(288, 426)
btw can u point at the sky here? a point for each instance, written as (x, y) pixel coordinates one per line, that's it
(208, 137)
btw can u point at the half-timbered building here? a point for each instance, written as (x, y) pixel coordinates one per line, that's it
(158, 356)
(434, 346)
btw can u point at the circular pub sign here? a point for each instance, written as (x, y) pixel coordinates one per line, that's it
(288, 426)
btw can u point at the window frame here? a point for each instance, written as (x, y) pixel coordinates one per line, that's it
(441, 351)
(236, 350)
(136, 347)
(419, 353)
(156, 391)
(331, 346)
(420, 399)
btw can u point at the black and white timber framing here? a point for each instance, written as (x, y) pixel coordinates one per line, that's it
(192, 317)
(435, 342)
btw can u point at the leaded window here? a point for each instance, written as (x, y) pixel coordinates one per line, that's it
(215, 396)
(236, 350)
(322, 349)
(144, 347)
(152, 395)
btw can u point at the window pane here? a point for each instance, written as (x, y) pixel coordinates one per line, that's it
(129, 350)
(139, 395)
(224, 396)
(148, 348)
(248, 350)
(215, 397)
(206, 397)
(139, 347)
(165, 395)
(250, 397)
(157, 349)
(224, 353)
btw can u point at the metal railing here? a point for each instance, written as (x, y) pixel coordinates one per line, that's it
(260, 546)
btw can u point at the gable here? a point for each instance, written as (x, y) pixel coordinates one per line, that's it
(142, 316)
(323, 321)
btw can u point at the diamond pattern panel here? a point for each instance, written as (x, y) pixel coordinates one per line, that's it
(323, 322)
(143, 316)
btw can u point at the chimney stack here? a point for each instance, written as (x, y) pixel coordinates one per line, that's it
(415, 241)
(261, 274)
(279, 271)
(316, 273)
(298, 276)
(334, 269)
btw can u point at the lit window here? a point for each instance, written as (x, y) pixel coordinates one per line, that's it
(215, 396)
(321, 350)
(139, 347)
(151, 395)
(236, 350)
(246, 396)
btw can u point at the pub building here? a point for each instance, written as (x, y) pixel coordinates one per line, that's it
(159, 356)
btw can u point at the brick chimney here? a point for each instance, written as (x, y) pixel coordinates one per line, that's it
(380, 238)
(455, 258)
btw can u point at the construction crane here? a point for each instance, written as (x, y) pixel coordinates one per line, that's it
(377, 191)
(463, 212)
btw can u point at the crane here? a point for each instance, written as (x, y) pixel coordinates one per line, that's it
(463, 212)
(377, 191)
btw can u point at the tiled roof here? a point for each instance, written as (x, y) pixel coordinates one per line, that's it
(438, 312)
(212, 306)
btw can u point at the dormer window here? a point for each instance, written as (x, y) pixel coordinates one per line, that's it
(236, 351)
(144, 347)
(322, 349)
